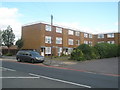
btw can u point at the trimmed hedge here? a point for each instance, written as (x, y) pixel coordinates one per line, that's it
(101, 50)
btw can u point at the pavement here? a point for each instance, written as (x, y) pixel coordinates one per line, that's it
(107, 66)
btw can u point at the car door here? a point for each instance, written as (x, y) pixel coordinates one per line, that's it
(27, 56)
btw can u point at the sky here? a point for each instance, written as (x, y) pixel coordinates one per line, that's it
(92, 17)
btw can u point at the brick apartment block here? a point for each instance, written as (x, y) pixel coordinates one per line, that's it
(40, 37)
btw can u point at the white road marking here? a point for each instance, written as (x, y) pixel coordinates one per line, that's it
(7, 69)
(19, 77)
(61, 80)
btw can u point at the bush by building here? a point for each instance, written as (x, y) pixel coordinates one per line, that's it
(101, 50)
(106, 50)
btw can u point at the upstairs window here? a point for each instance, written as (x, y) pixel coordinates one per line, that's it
(77, 33)
(58, 30)
(110, 35)
(85, 35)
(100, 35)
(58, 40)
(47, 27)
(90, 35)
(70, 41)
(70, 32)
(47, 39)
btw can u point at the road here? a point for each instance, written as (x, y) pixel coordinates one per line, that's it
(27, 75)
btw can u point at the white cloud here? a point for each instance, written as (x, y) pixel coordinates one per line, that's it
(9, 16)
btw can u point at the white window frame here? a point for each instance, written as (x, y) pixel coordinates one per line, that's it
(77, 33)
(47, 50)
(78, 42)
(70, 32)
(58, 30)
(48, 39)
(59, 49)
(70, 41)
(85, 42)
(85, 35)
(58, 40)
(111, 42)
(90, 43)
(90, 35)
(110, 35)
(101, 42)
(100, 35)
(70, 50)
(47, 27)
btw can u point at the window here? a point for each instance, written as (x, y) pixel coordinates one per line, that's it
(58, 40)
(110, 35)
(90, 43)
(70, 41)
(47, 50)
(58, 30)
(85, 42)
(77, 42)
(59, 51)
(77, 33)
(47, 39)
(100, 35)
(85, 35)
(101, 42)
(111, 42)
(48, 28)
(70, 50)
(90, 35)
(70, 32)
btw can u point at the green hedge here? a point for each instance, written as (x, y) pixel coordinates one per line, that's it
(101, 50)
(106, 50)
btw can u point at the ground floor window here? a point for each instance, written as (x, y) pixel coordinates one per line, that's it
(70, 50)
(47, 50)
(111, 42)
(59, 51)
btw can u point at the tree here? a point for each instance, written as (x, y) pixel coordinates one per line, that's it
(19, 43)
(0, 38)
(8, 37)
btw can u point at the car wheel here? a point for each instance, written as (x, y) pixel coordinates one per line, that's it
(18, 59)
(41, 61)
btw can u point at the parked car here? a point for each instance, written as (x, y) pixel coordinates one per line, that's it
(29, 56)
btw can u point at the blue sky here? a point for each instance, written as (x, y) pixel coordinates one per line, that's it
(93, 17)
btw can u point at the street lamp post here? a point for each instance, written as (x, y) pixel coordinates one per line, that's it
(51, 36)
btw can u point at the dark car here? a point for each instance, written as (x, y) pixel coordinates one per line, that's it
(29, 56)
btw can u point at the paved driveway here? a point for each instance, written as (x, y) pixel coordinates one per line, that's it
(106, 66)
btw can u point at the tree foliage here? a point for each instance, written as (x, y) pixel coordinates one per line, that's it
(0, 37)
(8, 37)
(19, 43)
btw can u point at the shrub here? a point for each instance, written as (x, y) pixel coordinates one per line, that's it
(77, 55)
(118, 50)
(9, 54)
(106, 50)
(88, 51)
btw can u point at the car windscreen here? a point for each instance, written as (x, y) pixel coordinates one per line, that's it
(35, 54)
